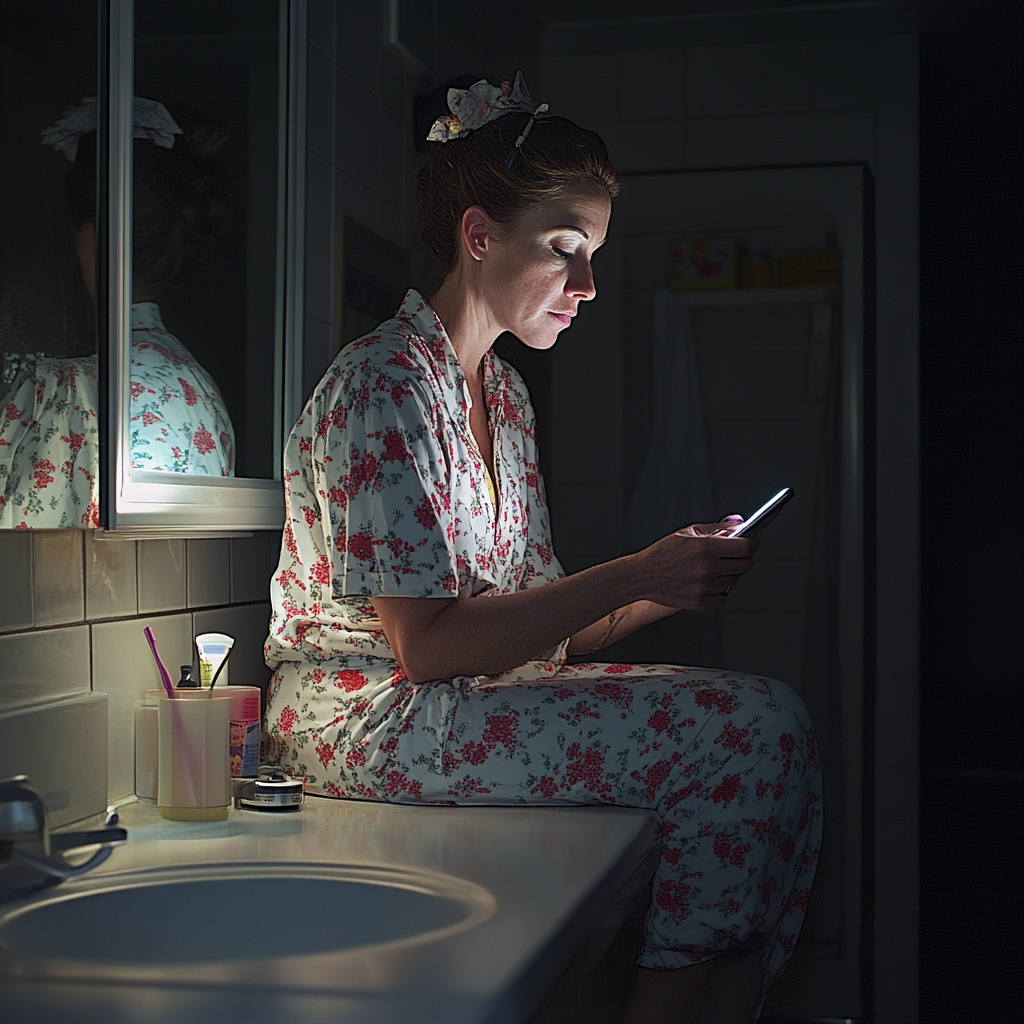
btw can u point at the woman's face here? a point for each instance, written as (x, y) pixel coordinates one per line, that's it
(537, 270)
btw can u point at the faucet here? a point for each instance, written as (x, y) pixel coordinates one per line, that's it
(30, 857)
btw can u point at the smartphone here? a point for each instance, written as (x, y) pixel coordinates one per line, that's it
(753, 522)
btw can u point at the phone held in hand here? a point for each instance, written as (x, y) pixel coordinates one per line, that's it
(756, 520)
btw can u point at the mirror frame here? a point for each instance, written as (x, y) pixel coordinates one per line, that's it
(149, 504)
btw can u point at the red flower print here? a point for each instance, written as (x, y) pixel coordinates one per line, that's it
(362, 547)
(501, 729)
(311, 515)
(586, 767)
(355, 759)
(672, 898)
(725, 703)
(660, 721)
(731, 850)
(75, 441)
(732, 738)
(616, 668)
(42, 473)
(325, 753)
(547, 787)
(621, 696)
(449, 763)
(473, 752)
(349, 680)
(204, 441)
(395, 449)
(653, 779)
(397, 782)
(289, 716)
(321, 571)
(190, 392)
(12, 411)
(336, 418)
(425, 514)
(726, 791)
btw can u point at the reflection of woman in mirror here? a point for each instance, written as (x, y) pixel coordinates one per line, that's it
(422, 623)
(178, 421)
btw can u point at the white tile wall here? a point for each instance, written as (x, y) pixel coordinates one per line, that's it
(57, 581)
(111, 578)
(250, 567)
(161, 581)
(61, 746)
(763, 78)
(209, 572)
(43, 664)
(16, 590)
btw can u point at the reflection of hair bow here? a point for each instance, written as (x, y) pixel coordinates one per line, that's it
(480, 104)
(152, 121)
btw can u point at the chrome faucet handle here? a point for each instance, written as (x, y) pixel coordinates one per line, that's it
(22, 819)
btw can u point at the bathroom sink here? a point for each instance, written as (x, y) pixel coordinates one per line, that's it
(180, 919)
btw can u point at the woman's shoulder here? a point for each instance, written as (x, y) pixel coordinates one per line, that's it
(397, 354)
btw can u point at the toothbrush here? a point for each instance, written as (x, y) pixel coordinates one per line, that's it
(220, 667)
(168, 685)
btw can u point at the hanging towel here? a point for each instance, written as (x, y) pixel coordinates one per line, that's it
(676, 485)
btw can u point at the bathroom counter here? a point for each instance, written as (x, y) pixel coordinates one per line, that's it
(560, 878)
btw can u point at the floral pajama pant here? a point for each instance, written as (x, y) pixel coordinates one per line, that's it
(728, 761)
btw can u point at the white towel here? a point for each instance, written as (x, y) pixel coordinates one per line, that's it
(676, 485)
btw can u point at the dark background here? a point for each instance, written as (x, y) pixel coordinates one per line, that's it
(972, 613)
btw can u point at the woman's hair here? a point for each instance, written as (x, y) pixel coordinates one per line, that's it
(179, 199)
(471, 171)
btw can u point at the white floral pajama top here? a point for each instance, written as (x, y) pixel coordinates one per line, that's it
(49, 435)
(387, 495)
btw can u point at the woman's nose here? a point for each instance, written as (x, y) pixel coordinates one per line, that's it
(581, 282)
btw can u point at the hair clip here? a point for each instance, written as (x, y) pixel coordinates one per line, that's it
(482, 103)
(151, 120)
(514, 151)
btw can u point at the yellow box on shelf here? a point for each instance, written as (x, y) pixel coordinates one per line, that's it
(707, 263)
(809, 269)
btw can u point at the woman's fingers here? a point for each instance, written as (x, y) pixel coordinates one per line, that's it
(692, 570)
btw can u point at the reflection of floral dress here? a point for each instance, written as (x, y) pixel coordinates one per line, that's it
(49, 437)
(386, 495)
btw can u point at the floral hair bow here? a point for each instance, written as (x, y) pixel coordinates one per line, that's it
(480, 104)
(151, 119)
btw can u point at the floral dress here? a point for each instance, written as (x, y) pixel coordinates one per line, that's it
(387, 495)
(49, 435)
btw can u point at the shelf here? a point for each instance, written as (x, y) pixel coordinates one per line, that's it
(756, 296)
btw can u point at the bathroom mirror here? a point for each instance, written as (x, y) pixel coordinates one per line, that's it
(179, 214)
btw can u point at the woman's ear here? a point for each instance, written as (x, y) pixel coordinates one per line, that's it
(476, 232)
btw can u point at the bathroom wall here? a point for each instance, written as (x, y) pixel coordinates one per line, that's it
(73, 659)
(763, 91)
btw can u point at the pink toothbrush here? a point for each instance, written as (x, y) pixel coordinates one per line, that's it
(168, 685)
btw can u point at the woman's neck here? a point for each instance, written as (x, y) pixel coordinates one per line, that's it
(467, 320)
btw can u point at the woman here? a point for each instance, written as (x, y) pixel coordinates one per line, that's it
(421, 621)
(49, 436)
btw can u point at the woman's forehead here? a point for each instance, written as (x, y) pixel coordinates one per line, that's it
(581, 208)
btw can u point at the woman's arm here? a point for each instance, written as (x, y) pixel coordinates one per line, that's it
(438, 638)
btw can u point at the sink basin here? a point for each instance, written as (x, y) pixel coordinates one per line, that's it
(199, 916)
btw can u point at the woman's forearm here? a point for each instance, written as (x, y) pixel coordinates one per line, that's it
(489, 635)
(616, 626)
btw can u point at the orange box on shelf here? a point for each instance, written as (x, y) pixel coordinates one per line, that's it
(809, 269)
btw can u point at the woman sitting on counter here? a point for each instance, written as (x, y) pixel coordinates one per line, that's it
(422, 623)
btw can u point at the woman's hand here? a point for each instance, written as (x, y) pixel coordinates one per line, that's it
(696, 567)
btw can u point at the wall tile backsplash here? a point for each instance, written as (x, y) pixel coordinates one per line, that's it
(68, 688)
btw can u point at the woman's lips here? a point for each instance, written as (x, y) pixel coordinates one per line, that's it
(562, 318)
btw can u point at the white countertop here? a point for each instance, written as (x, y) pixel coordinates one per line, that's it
(559, 877)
